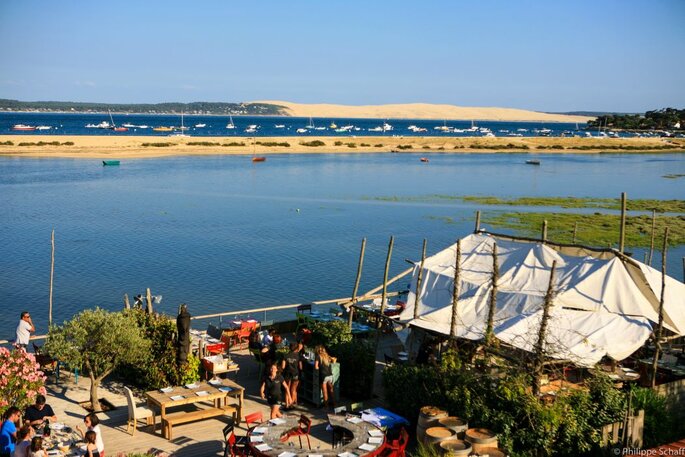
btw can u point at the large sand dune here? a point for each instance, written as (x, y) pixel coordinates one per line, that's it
(421, 111)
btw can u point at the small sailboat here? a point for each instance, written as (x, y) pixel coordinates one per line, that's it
(311, 123)
(230, 124)
(333, 126)
(181, 129)
(114, 126)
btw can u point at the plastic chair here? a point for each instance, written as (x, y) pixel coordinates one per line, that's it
(234, 445)
(304, 425)
(254, 418)
(136, 413)
(396, 448)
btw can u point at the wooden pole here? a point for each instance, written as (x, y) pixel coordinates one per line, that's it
(360, 265)
(419, 279)
(544, 230)
(127, 304)
(385, 278)
(149, 301)
(489, 332)
(651, 240)
(575, 232)
(455, 291)
(477, 228)
(540, 345)
(660, 328)
(622, 228)
(52, 273)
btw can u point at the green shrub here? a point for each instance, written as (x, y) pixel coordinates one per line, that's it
(157, 145)
(6, 143)
(274, 143)
(365, 145)
(313, 143)
(234, 143)
(378, 145)
(426, 147)
(351, 145)
(68, 143)
(661, 423)
(330, 334)
(202, 143)
(404, 146)
(338, 143)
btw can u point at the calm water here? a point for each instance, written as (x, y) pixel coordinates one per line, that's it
(75, 124)
(221, 233)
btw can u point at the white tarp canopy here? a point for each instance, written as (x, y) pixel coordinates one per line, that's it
(604, 304)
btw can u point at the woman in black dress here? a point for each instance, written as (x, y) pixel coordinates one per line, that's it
(292, 366)
(271, 390)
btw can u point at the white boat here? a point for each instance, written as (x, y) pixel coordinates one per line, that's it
(279, 126)
(101, 125)
(250, 128)
(181, 129)
(200, 126)
(43, 127)
(333, 126)
(311, 123)
(129, 126)
(23, 127)
(319, 128)
(143, 126)
(301, 130)
(443, 127)
(376, 129)
(387, 127)
(230, 124)
(473, 127)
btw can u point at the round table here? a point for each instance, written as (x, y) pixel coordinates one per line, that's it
(265, 439)
(63, 441)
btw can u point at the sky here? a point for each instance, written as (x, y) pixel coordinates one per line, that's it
(598, 55)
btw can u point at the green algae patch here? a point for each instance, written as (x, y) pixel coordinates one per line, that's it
(600, 230)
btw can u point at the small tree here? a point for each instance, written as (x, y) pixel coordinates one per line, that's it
(97, 341)
(20, 379)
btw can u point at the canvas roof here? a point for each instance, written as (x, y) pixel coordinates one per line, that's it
(604, 304)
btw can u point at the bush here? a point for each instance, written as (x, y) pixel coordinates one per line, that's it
(404, 146)
(68, 143)
(351, 145)
(157, 145)
(365, 145)
(330, 334)
(313, 143)
(338, 143)
(357, 365)
(274, 144)
(661, 423)
(202, 143)
(233, 143)
(20, 379)
(378, 145)
(6, 143)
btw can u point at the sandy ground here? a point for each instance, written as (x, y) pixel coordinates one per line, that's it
(131, 147)
(421, 111)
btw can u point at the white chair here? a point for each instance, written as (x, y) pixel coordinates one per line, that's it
(136, 413)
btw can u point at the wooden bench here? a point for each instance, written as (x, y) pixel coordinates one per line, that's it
(183, 417)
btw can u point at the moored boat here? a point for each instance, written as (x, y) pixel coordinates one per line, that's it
(259, 159)
(109, 163)
(23, 127)
(424, 159)
(163, 129)
(120, 129)
(533, 162)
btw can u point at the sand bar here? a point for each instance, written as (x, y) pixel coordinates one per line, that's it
(422, 111)
(130, 147)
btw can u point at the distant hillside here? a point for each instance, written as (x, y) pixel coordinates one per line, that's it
(246, 109)
(590, 113)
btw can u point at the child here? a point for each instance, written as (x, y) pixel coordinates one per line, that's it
(91, 447)
(36, 448)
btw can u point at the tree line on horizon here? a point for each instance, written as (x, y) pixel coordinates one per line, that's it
(661, 119)
(253, 109)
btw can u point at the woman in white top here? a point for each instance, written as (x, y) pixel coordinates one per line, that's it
(92, 421)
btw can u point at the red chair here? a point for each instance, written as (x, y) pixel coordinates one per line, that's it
(304, 425)
(396, 447)
(254, 418)
(232, 447)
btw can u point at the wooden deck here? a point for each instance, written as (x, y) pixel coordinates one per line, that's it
(202, 438)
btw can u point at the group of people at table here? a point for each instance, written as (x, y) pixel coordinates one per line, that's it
(282, 375)
(23, 434)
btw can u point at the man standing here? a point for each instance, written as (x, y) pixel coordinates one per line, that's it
(24, 329)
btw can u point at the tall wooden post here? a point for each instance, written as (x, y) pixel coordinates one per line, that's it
(360, 265)
(651, 240)
(660, 328)
(455, 291)
(127, 304)
(477, 228)
(544, 231)
(419, 280)
(52, 274)
(622, 228)
(575, 232)
(149, 301)
(489, 331)
(540, 345)
(385, 279)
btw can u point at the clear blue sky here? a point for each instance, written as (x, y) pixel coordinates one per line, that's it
(619, 55)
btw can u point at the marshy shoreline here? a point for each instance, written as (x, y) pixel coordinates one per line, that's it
(132, 147)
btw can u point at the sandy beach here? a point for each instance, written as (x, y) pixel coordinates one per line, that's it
(421, 111)
(132, 147)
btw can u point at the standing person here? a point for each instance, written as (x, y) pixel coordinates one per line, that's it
(24, 329)
(36, 448)
(24, 436)
(91, 421)
(91, 446)
(38, 413)
(271, 390)
(323, 364)
(8, 431)
(292, 366)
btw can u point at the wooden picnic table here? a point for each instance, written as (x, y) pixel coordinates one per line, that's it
(217, 392)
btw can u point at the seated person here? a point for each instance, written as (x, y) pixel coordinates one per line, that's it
(37, 414)
(269, 337)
